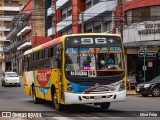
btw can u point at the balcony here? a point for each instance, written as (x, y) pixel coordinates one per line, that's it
(13, 33)
(24, 31)
(9, 8)
(61, 3)
(51, 31)
(6, 18)
(24, 45)
(2, 57)
(51, 11)
(1, 49)
(3, 39)
(3, 28)
(12, 46)
(20, 17)
(65, 23)
(97, 9)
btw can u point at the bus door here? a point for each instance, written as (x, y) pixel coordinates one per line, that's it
(60, 74)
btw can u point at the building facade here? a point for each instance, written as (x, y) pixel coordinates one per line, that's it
(79, 16)
(50, 18)
(141, 36)
(27, 30)
(8, 9)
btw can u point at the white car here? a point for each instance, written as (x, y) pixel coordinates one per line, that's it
(10, 78)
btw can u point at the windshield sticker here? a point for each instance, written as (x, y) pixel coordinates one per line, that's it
(70, 67)
(91, 73)
(79, 73)
(115, 49)
(86, 67)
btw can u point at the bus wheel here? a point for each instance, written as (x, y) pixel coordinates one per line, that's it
(57, 106)
(105, 106)
(35, 99)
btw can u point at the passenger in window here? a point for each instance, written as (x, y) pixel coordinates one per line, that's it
(86, 63)
(110, 60)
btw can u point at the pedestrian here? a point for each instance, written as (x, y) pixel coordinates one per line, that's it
(14, 69)
(9, 69)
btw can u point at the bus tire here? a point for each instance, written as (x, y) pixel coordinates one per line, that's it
(105, 106)
(57, 106)
(35, 99)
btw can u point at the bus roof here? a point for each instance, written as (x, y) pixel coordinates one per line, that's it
(57, 40)
(42, 46)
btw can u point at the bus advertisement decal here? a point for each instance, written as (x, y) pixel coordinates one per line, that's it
(43, 76)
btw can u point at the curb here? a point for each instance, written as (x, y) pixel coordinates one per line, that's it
(132, 94)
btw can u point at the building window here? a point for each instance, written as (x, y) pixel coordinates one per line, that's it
(69, 13)
(96, 1)
(97, 29)
(155, 14)
(141, 14)
(66, 12)
(129, 17)
(107, 27)
(88, 4)
(64, 16)
(89, 31)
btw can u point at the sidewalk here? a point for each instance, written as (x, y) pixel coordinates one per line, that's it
(132, 92)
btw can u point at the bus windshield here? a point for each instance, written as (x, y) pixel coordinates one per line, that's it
(93, 61)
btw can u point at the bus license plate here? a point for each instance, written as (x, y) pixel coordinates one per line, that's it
(97, 97)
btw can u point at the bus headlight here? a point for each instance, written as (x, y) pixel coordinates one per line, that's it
(118, 86)
(69, 88)
(122, 86)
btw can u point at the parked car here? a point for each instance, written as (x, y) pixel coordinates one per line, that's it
(10, 78)
(152, 87)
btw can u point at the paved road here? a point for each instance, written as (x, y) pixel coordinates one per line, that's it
(14, 99)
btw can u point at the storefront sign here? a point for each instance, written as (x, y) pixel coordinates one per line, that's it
(150, 28)
(147, 54)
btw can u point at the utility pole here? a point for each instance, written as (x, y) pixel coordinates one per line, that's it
(144, 60)
(121, 18)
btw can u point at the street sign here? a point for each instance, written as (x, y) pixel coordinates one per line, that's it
(148, 54)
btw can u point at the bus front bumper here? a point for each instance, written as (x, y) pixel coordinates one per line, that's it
(72, 98)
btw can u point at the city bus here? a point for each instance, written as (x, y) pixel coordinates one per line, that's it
(75, 69)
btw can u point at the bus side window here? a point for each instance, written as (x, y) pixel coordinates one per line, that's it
(59, 55)
(35, 60)
(25, 62)
(51, 56)
(40, 59)
(54, 56)
(46, 61)
(43, 57)
(28, 61)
